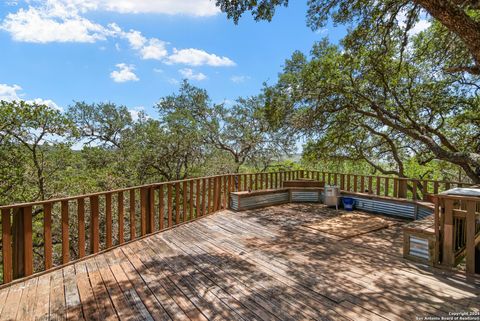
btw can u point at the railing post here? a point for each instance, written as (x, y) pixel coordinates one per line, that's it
(447, 252)
(22, 242)
(7, 246)
(470, 234)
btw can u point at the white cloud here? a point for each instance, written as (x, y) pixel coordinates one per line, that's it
(239, 79)
(197, 57)
(9, 93)
(124, 74)
(190, 74)
(419, 26)
(155, 49)
(12, 93)
(52, 23)
(135, 112)
(158, 70)
(186, 7)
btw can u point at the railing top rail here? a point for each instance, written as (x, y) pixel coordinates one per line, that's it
(458, 197)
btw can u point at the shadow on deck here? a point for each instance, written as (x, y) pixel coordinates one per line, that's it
(276, 263)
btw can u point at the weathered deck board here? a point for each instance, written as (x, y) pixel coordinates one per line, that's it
(267, 264)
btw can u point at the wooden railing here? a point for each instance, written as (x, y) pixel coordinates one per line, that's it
(402, 188)
(43, 235)
(457, 230)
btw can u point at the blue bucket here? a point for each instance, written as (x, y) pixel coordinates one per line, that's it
(348, 203)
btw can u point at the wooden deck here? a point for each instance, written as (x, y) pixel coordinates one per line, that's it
(266, 264)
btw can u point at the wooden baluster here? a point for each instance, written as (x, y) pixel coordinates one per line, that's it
(108, 219)
(447, 186)
(204, 195)
(261, 181)
(215, 192)
(448, 255)
(190, 201)
(395, 187)
(132, 206)
(94, 224)
(47, 236)
(225, 190)
(348, 183)
(184, 208)
(335, 179)
(470, 235)
(435, 187)
(143, 210)
(151, 210)
(7, 246)
(266, 181)
(342, 182)
(425, 190)
(362, 184)
(323, 177)
(161, 207)
(219, 192)
(81, 228)
(370, 185)
(355, 181)
(387, 183)
(65, 234)
(177, 203)
(414, 190)
(197, 200)
(378, 185)
(210, 192)
(169, 205)
(121, 218)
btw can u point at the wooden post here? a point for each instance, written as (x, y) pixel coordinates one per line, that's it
(190, 201)
(7, 246)
(204, 192)
(378, 185)
(197, 199)
(94, 225)
(22, 242)
(470, 233)
(447, 252)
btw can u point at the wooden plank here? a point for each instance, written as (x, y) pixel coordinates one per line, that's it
(12, 302)
(7, 246)
(28, 240)
(133, 224)
(57, 296)
(169, 205)
(161, 207)
(121, 218)
(470, 235)
(81, 226)
(94, 225)
(108, 220)
(85, 291)
(42, 303)
(378, 185)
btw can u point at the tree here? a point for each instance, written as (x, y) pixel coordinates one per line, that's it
(376, 104)
(28, 135)
(460, 19)
(241, 131)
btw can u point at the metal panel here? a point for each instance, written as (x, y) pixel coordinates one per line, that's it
(423, 212)
(263, 200)
(385, 207)
(234, 202)
(419, 247)
(305, 196)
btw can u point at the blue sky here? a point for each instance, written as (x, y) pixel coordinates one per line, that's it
(133, 52)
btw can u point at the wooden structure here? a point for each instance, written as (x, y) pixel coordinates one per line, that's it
(41, 236)
(265, 264)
